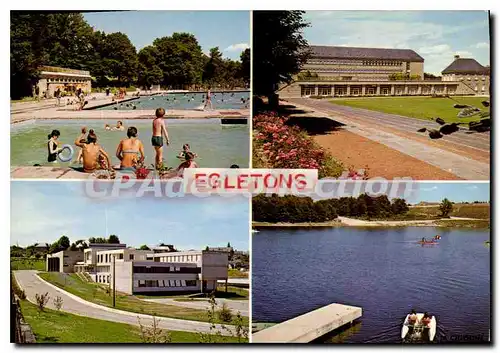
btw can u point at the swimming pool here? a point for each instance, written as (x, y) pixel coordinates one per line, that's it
(227, 100)
(217, 146)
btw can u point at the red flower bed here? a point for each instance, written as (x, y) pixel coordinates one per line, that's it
(285, 146)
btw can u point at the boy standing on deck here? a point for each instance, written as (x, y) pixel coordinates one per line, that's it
(159, 130)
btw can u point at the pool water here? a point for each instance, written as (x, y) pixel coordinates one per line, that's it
(217, 146)
(228, 100)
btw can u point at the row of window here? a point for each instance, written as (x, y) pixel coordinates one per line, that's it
(103, 278)
(179, 258)
(355, 91)
(165, 283)
(356, 62)
(170, 269)
(353, 70)
(65, 80)
(105, 258)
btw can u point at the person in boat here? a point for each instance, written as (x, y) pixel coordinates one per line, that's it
(52, 145)
(188, 163)
(129, 149)
(426, 320)
(93, 155)
(412, 318)
(423, 240)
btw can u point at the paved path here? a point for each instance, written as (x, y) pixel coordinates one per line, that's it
(32, 284)
(234, 305)
(399, 133)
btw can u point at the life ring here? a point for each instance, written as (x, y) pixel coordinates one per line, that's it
(69, 157)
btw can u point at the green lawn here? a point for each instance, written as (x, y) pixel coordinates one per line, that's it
(232, 273)
(415, 107)
(97, 294)
(18, 263)
(51, 326)
(480, 211)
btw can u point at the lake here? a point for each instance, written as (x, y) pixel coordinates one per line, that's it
(383, 271)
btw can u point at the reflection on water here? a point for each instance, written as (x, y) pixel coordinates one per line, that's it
(383, 271)
(184, 101)
(216, 146)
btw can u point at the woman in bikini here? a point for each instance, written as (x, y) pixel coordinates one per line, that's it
(129, 149)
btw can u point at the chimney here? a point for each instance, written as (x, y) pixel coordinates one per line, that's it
(457, 56)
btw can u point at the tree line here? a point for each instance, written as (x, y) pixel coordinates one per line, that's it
(67, 40)
(296, 209)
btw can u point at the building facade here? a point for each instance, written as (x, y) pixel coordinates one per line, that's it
(469, 72)
(144, 271)
(67, 80)
(357, 72)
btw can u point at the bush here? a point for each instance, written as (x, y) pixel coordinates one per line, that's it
(58, 302)
(225, 314)
(42, 300)
(15, 287)
(278, 145)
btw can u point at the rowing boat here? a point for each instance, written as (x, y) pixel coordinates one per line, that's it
(418, 329)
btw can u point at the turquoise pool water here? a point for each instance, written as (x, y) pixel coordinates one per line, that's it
(217, 146)
(228, 100)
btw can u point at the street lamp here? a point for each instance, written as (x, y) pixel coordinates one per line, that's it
(114, 282)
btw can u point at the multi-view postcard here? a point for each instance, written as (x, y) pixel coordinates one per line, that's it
(251, 177)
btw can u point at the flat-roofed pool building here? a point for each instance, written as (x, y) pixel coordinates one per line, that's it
(63, 261)
(337, 71)
(68, 80)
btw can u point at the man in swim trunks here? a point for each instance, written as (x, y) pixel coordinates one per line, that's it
(91, 152)
(159, 130)
(209, 99)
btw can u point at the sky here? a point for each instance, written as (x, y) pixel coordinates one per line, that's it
(228, 30)
(435, 35)
(41, 212)
(455, 192)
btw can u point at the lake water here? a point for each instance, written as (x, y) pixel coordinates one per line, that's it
(217, 146)
(383, 271)
(228, 100)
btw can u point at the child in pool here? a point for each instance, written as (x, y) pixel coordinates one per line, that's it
(188, 163)
(185, 149)
(107, 127)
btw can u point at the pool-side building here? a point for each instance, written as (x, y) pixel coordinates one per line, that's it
(333, 71)
(144, 271)
(69, 80)
(470, 73)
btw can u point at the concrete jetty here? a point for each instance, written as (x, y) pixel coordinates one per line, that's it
(308, 327)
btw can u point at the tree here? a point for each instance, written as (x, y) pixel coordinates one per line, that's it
(149, 73)
(228, 244)
(279, 48)
(113, 239)
(445, 207)
(244, 72)
(73, 247)
(207, 248)
(63, 242)
(144, 247)
(399, 206)
(120, 56)
(214, 68)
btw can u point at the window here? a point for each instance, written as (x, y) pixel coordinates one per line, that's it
(190, 283)
(131, 256)
(106, 257)
(120, 256)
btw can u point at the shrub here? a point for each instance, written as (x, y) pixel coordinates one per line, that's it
(58, 302)
(278, 145)
(224, 313)
(42, 300)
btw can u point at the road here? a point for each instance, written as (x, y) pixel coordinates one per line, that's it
(463, 154)
(32, 284)
(235, 305)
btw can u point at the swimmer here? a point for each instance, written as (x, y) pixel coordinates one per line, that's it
(119, 126)
(52, 145)
(107, 127)
(185, 149)
(188, 163)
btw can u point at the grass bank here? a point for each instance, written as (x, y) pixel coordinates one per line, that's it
(452, 223)
(96, 293)
(232, 273)
(479, 210)
(19, 263)
(415, 107)
(51, 326)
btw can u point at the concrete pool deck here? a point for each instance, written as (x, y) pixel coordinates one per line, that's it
(308, 327)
